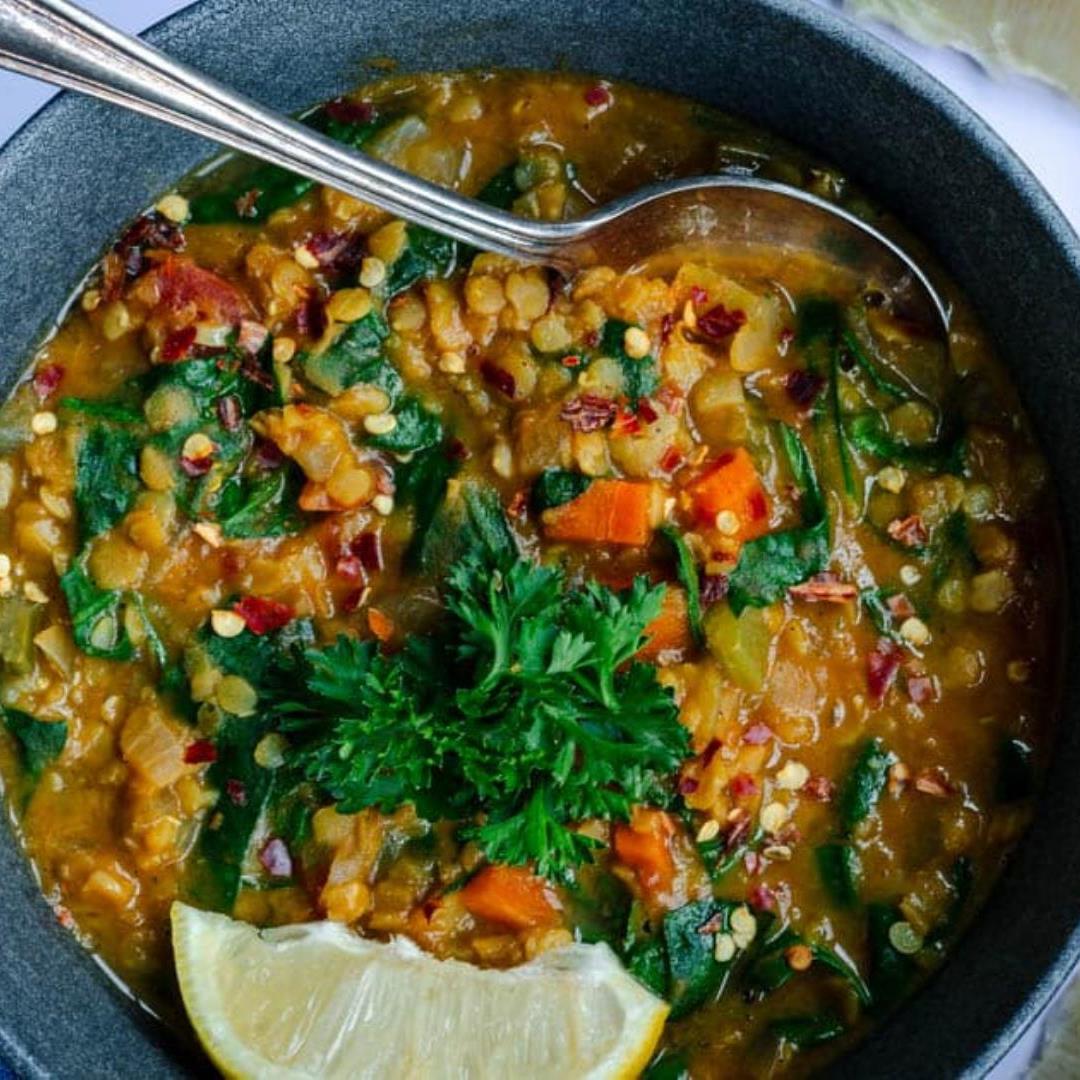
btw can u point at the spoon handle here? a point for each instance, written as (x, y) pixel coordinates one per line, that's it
(60, 43)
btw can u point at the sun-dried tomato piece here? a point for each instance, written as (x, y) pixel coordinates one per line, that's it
(236, 790)
(719, 322)
(337, 252)
(200, 751)
(589, 412)
(646, 411)
(882, 665)
(262, 615)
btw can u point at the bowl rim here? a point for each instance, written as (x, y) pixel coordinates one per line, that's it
(817, 18)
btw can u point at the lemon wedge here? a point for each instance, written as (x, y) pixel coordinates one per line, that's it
(316, 1000)
(1036, 37)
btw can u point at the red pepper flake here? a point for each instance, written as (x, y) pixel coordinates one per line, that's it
(646, 411)
(152, 230)
(194, 467)
(900, 607)
(337, 252)
(667, 326)
(751, 862)
(718, 323)
(909, 531)
(47, 379)
(262, 615)
(803, 387)
(353, 600)
(698, 296)
(268, 455)
(228, 410)
(819, 788)
(571, 360)
(921, 689)
(498, 377)
(275, 858)
(713, 587)
(597, 96)
(671, 459)
(757, 734)
(762, 898)
(178, 344)
(346, 111)
(252, 336)
(519, 503)
(349, 567)
(589, 412)
(246, 205)
(742, 786)
(591, 338)
(934, 782)
(787, 335)
(456, 450)
(882, 664)
(671, 398)
(757, 505)
(710, 752)
(311, 318)
(64, 917)
(824, 588)
(237, 792)
(626, 423)
(200, 751)
(738, 830)
(368, 548)
(688, 785)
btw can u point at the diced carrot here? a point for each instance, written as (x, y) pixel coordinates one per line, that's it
(513, 896)
(670, 630)
(645, 846)
(609, 511)
(382, 626)
(731, 483)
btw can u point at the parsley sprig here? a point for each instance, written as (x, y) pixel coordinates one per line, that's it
(523, 716)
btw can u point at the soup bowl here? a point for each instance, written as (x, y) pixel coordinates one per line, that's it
(77, 171)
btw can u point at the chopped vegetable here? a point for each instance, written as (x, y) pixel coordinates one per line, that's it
(730, 485)
(512, 896)
(865, 783)
(740, 642)
(840, 870)
(645, 846)
(40, 741)
(609, 511)
(687, 571)
(640, 378)
(553, 487)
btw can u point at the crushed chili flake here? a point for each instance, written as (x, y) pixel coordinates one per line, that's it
(456, 450)
(349, 567)
(237, 792)
(178, 344)
(268, 455)
(47, 379)
(626, 423)
(667, 325)
(688, 785)
(346, 111)
(518, 503)
(757, 734)
(803, 387)
(311, 318)
(909, 531)
(710, 752)
(900, 606)
(275, 858)
(200, 751)
(262, 615)
(933, 782)
(742, 786)
(882, 664)
(824, 588)
(589, 412)
(738, 830)
(229, 412)
(152, 230)
(713, 587)
(718, 322)
(671, 459)
(762, 898)
(194, 467)
(571, 360)
(671, 398)
(757, 505)
(252, 336)
(498, 377)
(591, 338)
(698, 296)
(819, 788)
(921, 689)
(368, 548)
(351, 601)
(337, 252)
(597, 96)
(646, 411)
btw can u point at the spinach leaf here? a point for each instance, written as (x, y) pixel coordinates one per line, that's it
(553, 487)
(646, 960)
(502, 189)
(640, 377)
(840, 871)
(695, 975)
(865, 783)
(1016, 772)
(804, 1031)
(356, 357)
(720, 860)
(772, 564)
(261, 505)
(874, 601)
(426, 255)
(269, 187)
(962, 882)
(836, 963)
(891, 972)
(114, 411)
(421, 483)
(470, 523)
(867, 433)
(106, 478)
(686, 569)
(771, 970)
(40, 741)
(225, 838)
(96, 616)
(416, 429)
(269, 662)
(877, 380)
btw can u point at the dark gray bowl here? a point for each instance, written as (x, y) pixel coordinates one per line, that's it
(79, 170)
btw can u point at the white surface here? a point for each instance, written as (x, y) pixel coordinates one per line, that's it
(1039, 123)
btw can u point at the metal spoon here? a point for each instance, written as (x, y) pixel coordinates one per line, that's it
(60, 43)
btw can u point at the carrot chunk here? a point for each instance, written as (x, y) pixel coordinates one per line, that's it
(513, 896)
(670, 630)
(730, 485)
(645, 846)
(609, 511)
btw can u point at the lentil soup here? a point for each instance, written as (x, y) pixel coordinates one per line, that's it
(705, 609)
